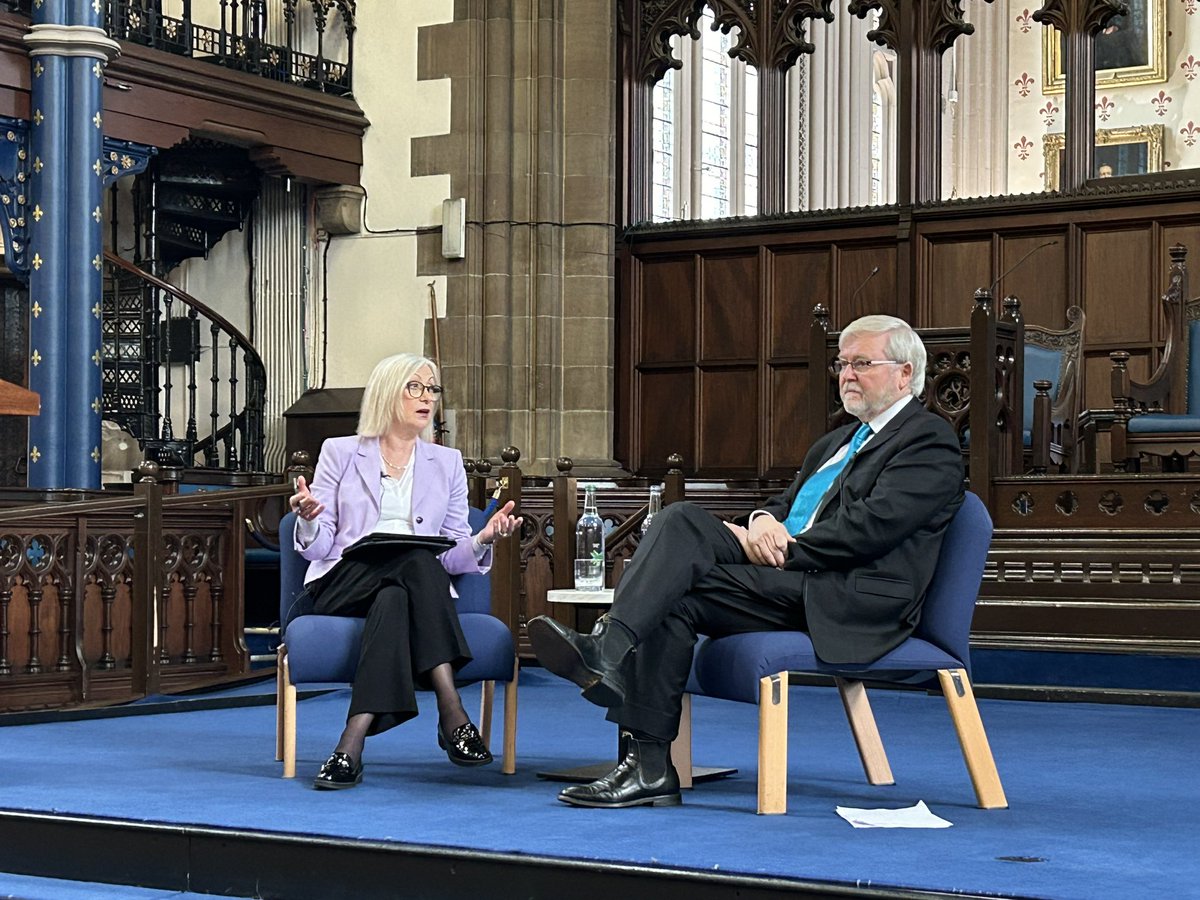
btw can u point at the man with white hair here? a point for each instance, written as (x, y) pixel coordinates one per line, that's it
(845, 553)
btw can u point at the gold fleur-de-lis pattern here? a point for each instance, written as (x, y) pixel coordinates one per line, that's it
(96, 405)
(96, 357)
(96, 311)
(34, 454)
(95, 454)
(97, 120)
(36, 309)
(36, 358)
(37, 213)
(38, 262)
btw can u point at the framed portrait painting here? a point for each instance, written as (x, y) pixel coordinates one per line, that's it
(1132, 49)
(1118, 151)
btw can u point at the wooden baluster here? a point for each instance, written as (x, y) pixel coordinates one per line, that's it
(216, 594)
(189, 619)
(65, 596)
(164, 651)
(506, 569)
(147, 585)
(566, 517)
(163, 360)
(820, 390)
(34, 593)
(108, 596)
(5, 600)
(673, 484)
(982, 413)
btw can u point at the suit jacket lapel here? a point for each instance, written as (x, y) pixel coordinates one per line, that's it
(423, 462)
(367, 463)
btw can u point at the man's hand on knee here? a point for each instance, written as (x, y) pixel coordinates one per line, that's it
(766, 542)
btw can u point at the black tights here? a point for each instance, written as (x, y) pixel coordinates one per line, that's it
(450, 713)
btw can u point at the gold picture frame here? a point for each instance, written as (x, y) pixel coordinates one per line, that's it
(1125, 56)
(1135, 150)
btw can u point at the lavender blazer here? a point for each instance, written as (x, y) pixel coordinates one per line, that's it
(347, 481)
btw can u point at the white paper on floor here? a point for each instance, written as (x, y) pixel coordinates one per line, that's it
(917, 816)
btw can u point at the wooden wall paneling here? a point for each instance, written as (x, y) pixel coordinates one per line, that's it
(1039, 281)
(1118, 286)
(955, 269)
(729, 421)
(788, 437)
(856, 295)
(667, 422)
(799, 281)
(666, 317)
(729, 308)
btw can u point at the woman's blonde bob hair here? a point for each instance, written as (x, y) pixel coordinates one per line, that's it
(385, 391)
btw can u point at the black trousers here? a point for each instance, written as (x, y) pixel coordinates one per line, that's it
(688, 577)
(411, 628)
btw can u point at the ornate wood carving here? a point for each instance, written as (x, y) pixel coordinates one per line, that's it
(888, 32)
(1079, 16)
(770, 35)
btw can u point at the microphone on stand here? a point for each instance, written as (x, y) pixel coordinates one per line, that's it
(858, 290)
(991, 287)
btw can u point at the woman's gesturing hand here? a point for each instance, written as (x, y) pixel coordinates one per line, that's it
(303, 503)
(501, 525)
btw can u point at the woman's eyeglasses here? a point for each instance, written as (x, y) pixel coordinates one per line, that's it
(861, 365)
(417, 389)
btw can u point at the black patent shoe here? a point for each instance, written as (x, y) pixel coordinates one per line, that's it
(338, 772)
(464, 746)
(593, 661)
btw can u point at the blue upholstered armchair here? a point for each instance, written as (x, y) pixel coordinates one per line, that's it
(321, 649)
(1161, 417)
(753, 668)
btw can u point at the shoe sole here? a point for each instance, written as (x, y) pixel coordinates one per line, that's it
(665, 800)
(557, 655)
(336, 785)
(472, 763)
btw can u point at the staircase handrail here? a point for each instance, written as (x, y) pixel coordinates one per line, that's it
(243, 342)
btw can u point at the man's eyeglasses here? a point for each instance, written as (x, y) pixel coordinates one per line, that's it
(861, 365)
(417, 389)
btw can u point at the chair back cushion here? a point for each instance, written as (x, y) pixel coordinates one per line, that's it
(292, 569)
(950, 601)
(1193, 391)
(1040, 364)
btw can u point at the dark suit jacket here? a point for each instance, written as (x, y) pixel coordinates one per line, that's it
(872, 549)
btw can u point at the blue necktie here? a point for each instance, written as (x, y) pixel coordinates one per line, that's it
(808, 498)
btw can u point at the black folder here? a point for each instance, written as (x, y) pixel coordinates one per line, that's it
(373, 546)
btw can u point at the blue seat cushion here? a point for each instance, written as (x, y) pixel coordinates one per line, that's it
(325, 648)
(1040, 365)
(730, 667)
(1164, 424)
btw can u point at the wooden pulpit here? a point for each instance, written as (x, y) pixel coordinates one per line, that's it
(17, 401)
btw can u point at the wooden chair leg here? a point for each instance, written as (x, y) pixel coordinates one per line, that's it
(865, 731)
(681, 747)
(279, 688)
(508, 764)
(977, 753)
(486, 696)
(772, 744)
(288, 720)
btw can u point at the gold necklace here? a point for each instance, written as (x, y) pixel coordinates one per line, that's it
(391, 465)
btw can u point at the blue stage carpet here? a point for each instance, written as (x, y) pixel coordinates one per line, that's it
(1104, 799)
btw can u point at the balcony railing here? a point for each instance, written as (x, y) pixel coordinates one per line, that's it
(309, 43)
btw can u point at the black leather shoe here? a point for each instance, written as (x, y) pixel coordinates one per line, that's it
(645, 777)
(465, 746)
(592, 661)
(338, 772)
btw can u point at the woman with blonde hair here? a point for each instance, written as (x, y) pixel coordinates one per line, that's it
(390, 479)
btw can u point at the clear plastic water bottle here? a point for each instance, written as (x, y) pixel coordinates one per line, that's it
(589, 545)
(653, 508)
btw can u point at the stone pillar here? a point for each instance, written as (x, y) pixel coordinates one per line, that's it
(528, 339)
(69, 50)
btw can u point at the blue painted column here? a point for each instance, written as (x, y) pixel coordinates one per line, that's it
(68, 50)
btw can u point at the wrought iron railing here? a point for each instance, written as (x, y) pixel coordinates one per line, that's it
(152, 330)
(309, 43)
